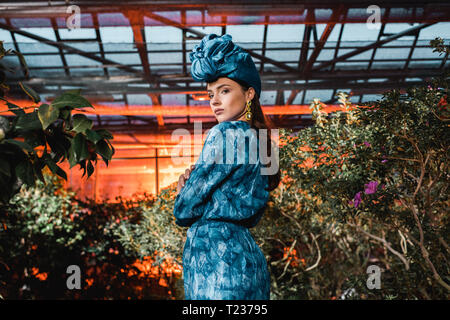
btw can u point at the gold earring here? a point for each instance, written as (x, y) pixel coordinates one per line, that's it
(248, 114)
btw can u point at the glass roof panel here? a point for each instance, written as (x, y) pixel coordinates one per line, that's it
(35, 47)
(87, 46)
(33, 22)
(359, 32)
(124, 58)
(268, 97)
(45, 60)
(391, 53)
(441, 29)
(165, 58)
(139, 99)
(46, 33)
(285, 55)
(420, 53)
(116, 34)
(81, 33)
(77, 60)
(246, 33)
(5, 35)
(323, 95)
(173, 99)
(285, 32)
(399, 27)
(163, 34)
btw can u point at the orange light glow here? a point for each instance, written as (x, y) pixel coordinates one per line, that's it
(41, 276)
(200, 97)
(143, 110)
(168, 268)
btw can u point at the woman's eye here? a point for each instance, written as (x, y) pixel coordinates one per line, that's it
(225, 90)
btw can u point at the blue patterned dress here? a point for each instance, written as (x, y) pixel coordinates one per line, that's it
(219, 202)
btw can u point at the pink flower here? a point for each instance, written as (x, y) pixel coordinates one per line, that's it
(356, 200)
(371, 187)
(367, 144)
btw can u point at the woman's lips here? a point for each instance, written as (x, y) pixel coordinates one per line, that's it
(218, 111)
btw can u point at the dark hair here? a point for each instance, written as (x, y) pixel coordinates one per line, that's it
(260, 121)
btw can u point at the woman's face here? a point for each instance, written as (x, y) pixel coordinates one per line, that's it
(228, 99)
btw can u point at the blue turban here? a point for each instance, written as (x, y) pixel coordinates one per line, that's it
(218, 57)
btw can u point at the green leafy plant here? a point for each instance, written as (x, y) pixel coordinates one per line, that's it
(44, 229)
(49, 126)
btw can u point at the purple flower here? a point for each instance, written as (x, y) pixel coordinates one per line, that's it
(356, 200)
(371, 187)
(367, 144)
(383, 161)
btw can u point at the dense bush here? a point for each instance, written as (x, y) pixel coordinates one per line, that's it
(365, 186)
(45, 229)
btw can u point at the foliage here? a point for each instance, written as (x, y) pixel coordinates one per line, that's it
(47, 126)
(45, 229)
(368, 185)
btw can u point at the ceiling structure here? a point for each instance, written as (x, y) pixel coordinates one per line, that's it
(131, 58)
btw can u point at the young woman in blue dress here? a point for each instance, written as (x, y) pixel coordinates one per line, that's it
(220, 201)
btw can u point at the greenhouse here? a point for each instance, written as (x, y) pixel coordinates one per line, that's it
(105, 108)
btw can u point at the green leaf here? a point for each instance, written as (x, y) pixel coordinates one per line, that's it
(72, 101)
(47, 114)
(5, 168)
(30, 92)
(105, 134)
(24, 171)
(28, 121)
(103, 149)
(81, 123)
(38, 166)
(90, 169)
(55, 168)
(34, 138)
(72, 160)
(74, 91)
(59, 144)
(64, 113)
(20, 144)
(93, 135)
(83, 166)
(80, 148)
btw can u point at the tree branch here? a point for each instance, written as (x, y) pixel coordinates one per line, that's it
(387, 244)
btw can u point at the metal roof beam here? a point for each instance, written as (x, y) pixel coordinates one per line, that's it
(376, 44)
(201, 35)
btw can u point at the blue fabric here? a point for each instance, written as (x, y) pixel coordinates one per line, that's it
(218, 57)
(219, 202)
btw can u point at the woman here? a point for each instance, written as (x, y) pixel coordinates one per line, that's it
(220, 200)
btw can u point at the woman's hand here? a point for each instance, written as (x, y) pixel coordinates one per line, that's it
(183, 178)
